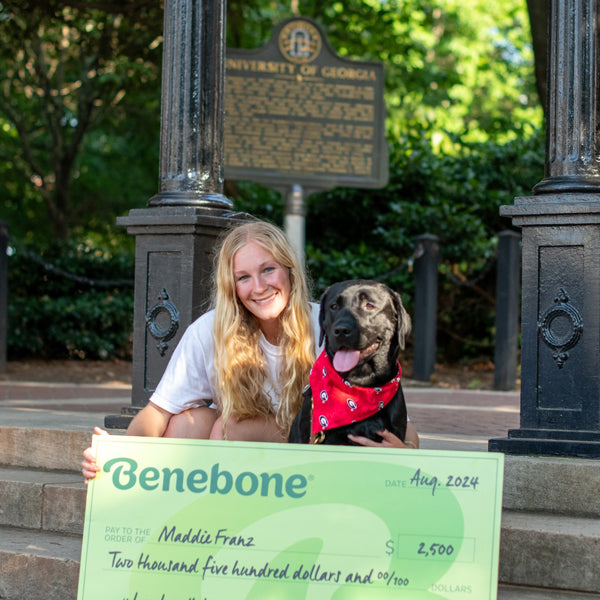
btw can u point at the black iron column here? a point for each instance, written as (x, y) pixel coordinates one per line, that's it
(192, 107)
(560, 368)
(175, 236)
(572, 127)
(508, 288)
(425, 321)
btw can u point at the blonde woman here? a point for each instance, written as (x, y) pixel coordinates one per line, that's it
(239, 369)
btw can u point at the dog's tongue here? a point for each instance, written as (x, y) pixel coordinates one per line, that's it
(345, 360)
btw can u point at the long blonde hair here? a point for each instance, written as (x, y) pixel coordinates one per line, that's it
(239, 363)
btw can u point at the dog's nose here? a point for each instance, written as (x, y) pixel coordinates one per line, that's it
(342, 331)
(344, 326)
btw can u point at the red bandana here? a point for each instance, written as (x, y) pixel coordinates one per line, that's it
(337, 402)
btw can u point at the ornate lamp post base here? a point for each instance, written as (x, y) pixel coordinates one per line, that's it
(560, 370)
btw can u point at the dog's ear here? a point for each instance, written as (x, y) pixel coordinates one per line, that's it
(324, 302)
(403, 325)
(326, 299)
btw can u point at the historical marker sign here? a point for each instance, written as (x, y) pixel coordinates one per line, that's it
(296, 113)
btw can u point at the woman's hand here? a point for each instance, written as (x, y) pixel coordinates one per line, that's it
(89, 468)
(389, 440)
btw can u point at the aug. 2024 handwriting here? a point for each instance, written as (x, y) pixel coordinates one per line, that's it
(421, 480)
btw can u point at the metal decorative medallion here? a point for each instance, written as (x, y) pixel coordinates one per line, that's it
(561, 327)
(300, 42)
(162, 321)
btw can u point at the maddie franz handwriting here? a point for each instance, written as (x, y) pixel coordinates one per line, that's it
(201, 536)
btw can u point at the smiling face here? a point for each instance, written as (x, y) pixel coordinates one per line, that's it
(262, 285)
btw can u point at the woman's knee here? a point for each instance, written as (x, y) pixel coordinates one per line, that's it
(257, 429)
(194, 423)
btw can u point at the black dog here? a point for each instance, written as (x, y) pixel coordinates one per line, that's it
(364, 325)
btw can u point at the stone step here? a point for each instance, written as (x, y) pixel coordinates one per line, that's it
(43, 448)
(42, 500)
(536, 548)
(38, 565)
(551, 551)
(514, 592)
(531, 484)
(549, 484)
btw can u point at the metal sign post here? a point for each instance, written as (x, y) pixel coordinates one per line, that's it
(295, 218)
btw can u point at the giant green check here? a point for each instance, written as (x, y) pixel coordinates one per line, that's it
(199, 520)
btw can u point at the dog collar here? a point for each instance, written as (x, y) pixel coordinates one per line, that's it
(336, 402)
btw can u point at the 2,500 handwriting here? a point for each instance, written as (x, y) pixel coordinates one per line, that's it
(435, 549)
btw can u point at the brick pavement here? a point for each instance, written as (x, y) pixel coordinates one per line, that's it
(444, 418)
(463, 412)
(65, 397)
(23, 390)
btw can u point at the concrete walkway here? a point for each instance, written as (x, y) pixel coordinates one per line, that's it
(445, 418)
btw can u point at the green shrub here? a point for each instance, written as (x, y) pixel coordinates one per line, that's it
(371, 233)
(350, 233)
(69, 301)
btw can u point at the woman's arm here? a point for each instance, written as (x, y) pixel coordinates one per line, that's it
(151, 421)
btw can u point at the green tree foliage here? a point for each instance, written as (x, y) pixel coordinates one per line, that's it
(73, 95)
(79, 102)
(452, 67)
(79, 134)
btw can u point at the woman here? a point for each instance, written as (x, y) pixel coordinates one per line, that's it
(239, 370)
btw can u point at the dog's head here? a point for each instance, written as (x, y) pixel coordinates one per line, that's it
(364, 325)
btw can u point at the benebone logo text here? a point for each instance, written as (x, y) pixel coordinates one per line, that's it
(126, 474)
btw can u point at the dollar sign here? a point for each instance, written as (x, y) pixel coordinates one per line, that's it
(389, 545)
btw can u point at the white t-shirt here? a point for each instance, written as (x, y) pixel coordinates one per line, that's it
(188, 380)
